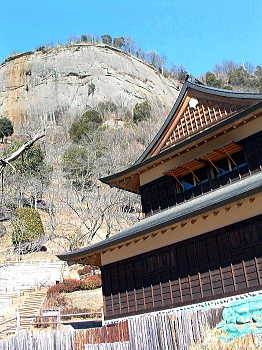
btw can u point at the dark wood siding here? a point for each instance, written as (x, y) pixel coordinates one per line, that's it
(224, 262)
(163, 192)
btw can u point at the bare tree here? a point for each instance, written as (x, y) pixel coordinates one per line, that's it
(103, 213)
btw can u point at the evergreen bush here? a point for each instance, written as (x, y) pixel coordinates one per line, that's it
(142, 111)
(6, 128)
(89, 121)
(107, 107)
(213, 81)
(27, 226)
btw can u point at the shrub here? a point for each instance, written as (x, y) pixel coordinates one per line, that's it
(89, 121)
(142, 111)
(119, 42)
(73, 285)
(84, 38)
(92, 282)
(86, 269)
(6, 128)
(27, 226)
(67, 286)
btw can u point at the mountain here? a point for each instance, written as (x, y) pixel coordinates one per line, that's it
(53, 85)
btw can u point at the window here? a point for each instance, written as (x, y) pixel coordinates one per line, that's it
(239, 159)
(187, 181)
(202, 175)
(223, 166)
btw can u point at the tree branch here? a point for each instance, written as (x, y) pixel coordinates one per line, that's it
(19, 152)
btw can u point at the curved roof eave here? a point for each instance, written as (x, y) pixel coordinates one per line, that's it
(209, 201)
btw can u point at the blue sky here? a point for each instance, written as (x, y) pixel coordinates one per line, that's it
(197, 34)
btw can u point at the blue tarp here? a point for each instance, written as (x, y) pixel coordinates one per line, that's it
(242, 317)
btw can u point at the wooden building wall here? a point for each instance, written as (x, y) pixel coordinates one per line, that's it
(224, 262)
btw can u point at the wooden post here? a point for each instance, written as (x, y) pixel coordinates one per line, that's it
(58, 324)
(18, 322)
(102, 315)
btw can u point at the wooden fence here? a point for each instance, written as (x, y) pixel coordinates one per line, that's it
(109, 346)
(106, 334)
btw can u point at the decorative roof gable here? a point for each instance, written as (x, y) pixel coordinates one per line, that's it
(197, 108)
(198, 111)
(191, 120)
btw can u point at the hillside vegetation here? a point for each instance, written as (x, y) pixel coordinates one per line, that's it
(233, 76)
(100, 109)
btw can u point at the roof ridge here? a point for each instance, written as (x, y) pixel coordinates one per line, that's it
(198, 84)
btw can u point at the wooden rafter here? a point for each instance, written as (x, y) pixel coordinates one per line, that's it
(211, 157)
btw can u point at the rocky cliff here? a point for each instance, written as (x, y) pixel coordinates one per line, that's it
(51, 85)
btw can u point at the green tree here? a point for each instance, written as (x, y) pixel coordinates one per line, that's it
(107, 39)
(242, 79)
(258, 74)
(27, 228)
(84, 38)
(31, 161)
(89, 122)
(213, 81)
(141, 111)
(237, 77)
(6, 128)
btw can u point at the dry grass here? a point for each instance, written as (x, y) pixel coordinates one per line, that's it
(80, 300)
(211, 342)
(86, 299)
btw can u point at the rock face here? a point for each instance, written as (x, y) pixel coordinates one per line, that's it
(52, 85)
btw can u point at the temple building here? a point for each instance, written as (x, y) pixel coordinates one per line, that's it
(200, 183)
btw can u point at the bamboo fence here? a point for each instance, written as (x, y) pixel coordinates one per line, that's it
(40, 340)
(165, 330)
